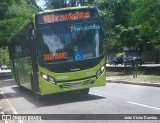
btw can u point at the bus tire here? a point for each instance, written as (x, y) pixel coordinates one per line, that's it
(17, 79)
(37, 96)
(32, 83)
(21, 88)
(84, 91)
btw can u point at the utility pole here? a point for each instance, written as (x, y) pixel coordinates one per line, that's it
(136, 65)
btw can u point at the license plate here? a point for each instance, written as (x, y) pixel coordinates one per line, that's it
(76, 85)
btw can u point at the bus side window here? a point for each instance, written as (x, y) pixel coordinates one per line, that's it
(13, 49)
(31, 31)
(22, 44)
(25, 43)
(17, 47)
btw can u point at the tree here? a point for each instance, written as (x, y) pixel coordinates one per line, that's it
(128, 37)
(17, 12)
(4, 6)
(4, 57)
(122, 12)
(147, 15)
(55, 4)
(113, 13)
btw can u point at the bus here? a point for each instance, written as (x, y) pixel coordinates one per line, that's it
(58, 51)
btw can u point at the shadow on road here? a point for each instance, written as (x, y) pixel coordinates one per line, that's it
(6, 80)
(5, 75)
(54, 99)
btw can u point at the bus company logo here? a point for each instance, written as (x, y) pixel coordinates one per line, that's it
(51, 18)
(6, 117)
(75, 69)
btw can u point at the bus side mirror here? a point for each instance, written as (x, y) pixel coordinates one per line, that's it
(31, 34)
(31, 30)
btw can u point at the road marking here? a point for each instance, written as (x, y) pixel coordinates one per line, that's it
(97, 94)
(2, 112)
(147, 106)
(152, 107)
(13, 109)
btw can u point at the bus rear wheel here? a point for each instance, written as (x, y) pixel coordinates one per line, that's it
(37, 96)
(21, 88)
(84, 91)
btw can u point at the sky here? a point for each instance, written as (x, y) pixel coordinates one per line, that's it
(41, 3)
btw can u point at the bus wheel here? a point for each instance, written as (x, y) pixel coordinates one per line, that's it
(38, 96)
(21, 88)
(32, 83)
(84, 91)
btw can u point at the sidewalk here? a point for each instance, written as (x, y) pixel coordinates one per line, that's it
(145, 80)
(2, 111)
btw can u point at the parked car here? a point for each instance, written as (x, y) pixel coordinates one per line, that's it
(132, 61)
(116, 61)
(4, 67)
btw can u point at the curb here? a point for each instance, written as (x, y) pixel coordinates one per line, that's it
(134, 83)
(2, 112)
(1, 109)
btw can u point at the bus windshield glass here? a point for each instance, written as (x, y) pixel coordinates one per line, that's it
(70, 43)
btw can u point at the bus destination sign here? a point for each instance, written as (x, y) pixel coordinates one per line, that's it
(67, 16)
(51, 18)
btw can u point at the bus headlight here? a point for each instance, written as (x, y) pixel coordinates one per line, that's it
(51, 80)
(100, 71)
(44, 76)
(102, 68)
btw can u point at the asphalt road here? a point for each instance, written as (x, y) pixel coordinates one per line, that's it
(111, 99)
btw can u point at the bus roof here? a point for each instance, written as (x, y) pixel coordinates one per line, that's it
(68, 8)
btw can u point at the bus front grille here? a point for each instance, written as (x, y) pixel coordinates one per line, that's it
(77, 85)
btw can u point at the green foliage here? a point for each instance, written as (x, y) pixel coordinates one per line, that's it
(125, 22)
(147, 15)
(128, 22)
(4, 57)
(128, 37)
(16, 13)
(54, 4)
(122, 12)
(4, 5)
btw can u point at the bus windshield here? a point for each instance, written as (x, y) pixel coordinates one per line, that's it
(70, 43)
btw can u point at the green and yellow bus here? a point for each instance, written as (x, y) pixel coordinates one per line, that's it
(59, 50)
